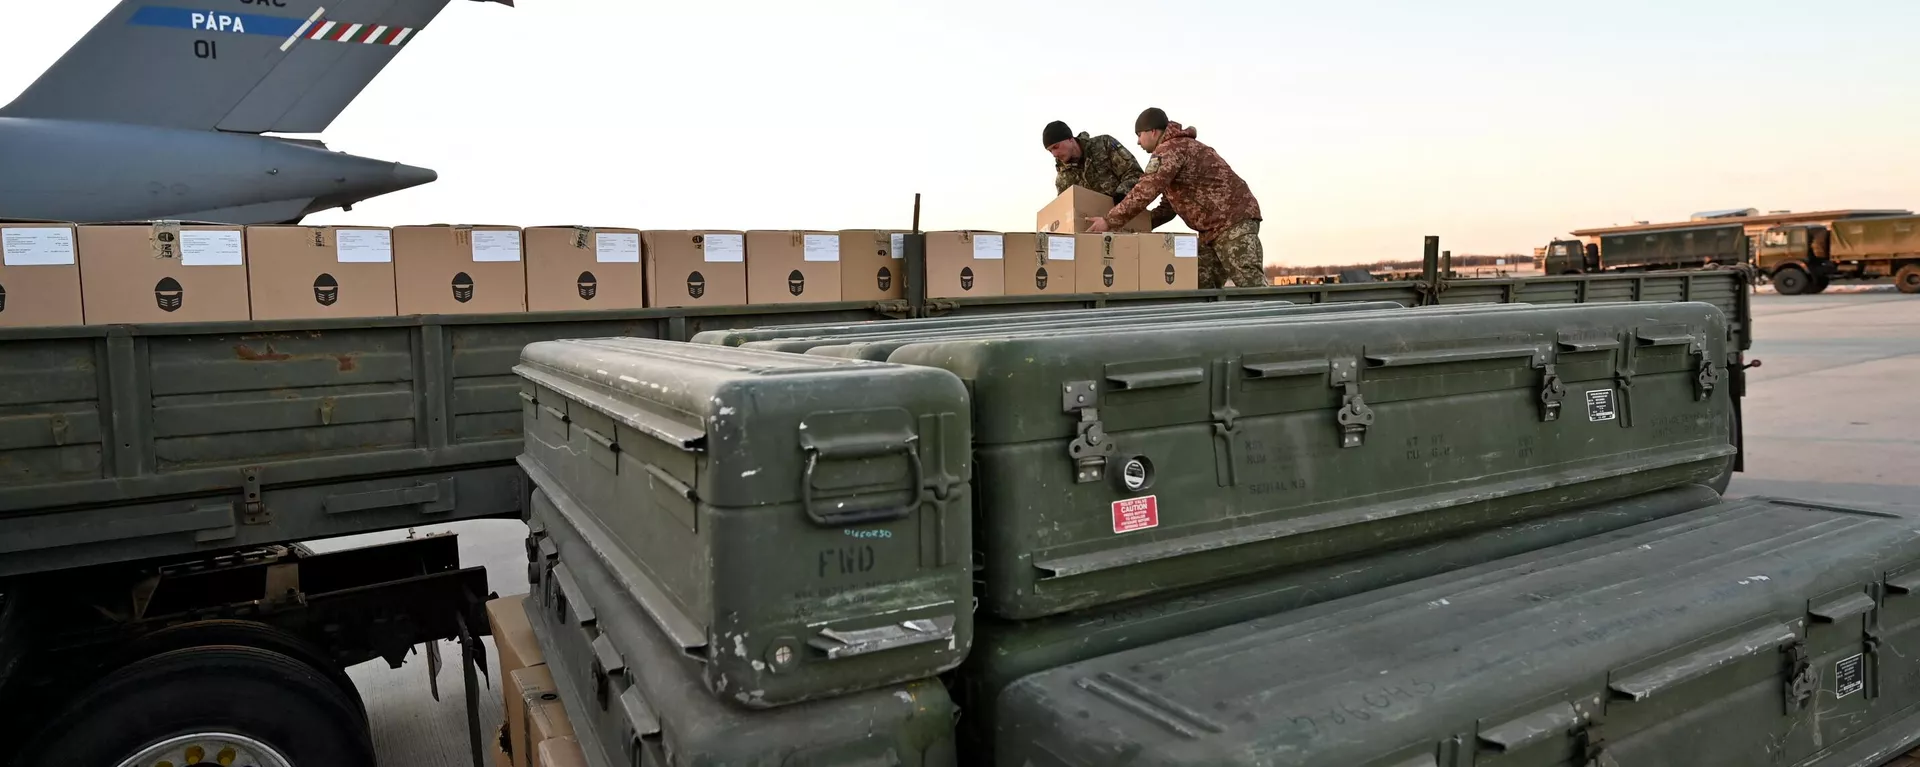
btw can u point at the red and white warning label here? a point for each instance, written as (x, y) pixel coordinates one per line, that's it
(1132, 514)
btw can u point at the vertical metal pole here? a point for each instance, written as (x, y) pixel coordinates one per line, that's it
(916, 256)
(467, 661)
(1430, 268)
(1446, 264)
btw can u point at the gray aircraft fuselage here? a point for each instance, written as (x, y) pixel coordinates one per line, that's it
(67, 170)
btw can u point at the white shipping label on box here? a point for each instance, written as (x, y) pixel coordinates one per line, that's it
(989, 247)
(1059, 247)
(363, 246)
(822, 247)
(211, 248)
(616, 247)
(37, 246)
(725, 248)
(496, 245)
(897, 245)
(1186, 247)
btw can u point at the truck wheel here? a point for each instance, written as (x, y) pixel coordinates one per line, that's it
(1908, 279)
(207, 705)
(259, 636)
(1791, 281)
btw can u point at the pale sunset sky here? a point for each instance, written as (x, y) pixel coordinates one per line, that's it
(1360, 126)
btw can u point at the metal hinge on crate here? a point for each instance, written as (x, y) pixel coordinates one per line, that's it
(1090, 447)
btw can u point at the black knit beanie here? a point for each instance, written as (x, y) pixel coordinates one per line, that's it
(1056, 132)
(1151, 119)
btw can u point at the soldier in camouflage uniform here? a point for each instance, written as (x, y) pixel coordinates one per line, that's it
(1099, 163)
(1207, 195)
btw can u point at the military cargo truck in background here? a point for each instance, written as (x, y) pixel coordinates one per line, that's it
(158, 480)
(1682, 248)
(1805, 258)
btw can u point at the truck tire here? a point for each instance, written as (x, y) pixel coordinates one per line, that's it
(273, 710)
(1791, 281)
(1907, 280)
(239, 633)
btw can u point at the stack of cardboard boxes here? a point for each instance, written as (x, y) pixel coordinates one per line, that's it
(534, 731)
(56, 274)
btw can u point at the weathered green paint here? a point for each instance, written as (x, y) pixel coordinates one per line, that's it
(1061, 321)
(928, 324)
(635, 698)
(1713, 638)
(1005, 651)
(128, 447)
(764, 506)
(879, 347)
(1282, 444)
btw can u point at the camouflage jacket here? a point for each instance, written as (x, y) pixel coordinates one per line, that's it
(1198, 186)
(1104, 166)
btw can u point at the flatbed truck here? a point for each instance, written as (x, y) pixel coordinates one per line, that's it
(157, 481)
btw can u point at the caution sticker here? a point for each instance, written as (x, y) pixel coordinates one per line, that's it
(1600, 405)
(1132, 514)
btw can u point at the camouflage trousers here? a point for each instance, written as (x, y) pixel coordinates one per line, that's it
(1234, 255)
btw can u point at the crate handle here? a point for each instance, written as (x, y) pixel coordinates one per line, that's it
(862, 513)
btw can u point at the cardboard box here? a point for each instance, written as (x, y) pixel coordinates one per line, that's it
(1107, 263)
(789, 267)
(1068, 213)
(542, 716)
(513, 634)
(560, 752)
(873, 265)
(1039, 264)
(442, 269)
(307, 272)
(1169, 261)
(500, 756)
(578, 268)
(39, 276)
(163, 272)
(966, 263)
(696, 268)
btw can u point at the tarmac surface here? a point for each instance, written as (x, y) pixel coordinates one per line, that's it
(1830, 415)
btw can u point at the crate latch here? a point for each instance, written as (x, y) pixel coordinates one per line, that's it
(1552, 393)
(1090, 447)
(1354, 416)
(1802, 682)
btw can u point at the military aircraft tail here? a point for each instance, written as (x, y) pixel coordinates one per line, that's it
(245, 66)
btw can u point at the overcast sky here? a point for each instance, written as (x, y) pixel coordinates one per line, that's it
(1361, 126)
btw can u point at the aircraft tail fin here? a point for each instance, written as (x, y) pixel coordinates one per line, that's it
(287, 66)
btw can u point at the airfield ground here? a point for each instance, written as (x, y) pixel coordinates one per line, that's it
(1831, 414)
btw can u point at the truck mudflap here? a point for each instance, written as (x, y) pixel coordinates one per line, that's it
(1754, 631)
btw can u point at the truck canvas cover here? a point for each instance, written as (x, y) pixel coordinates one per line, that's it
(1131, 461)
(634, 698)
(800, 522)
(1755, 631)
